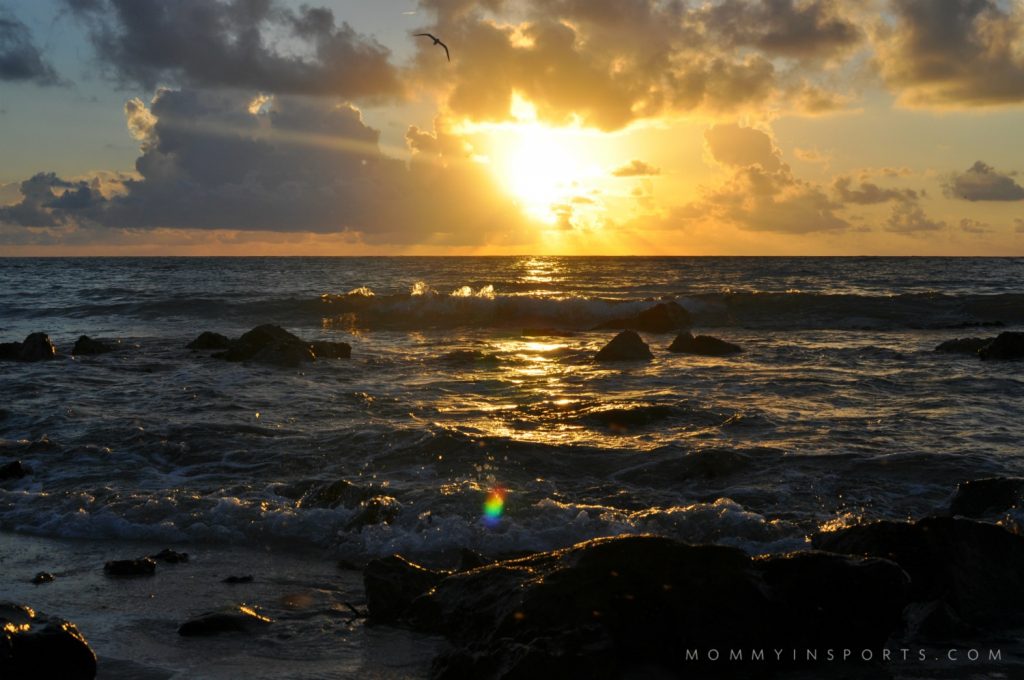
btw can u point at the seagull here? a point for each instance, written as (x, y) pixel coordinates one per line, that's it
(437, 41)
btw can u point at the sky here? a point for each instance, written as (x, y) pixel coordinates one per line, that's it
(573, 127)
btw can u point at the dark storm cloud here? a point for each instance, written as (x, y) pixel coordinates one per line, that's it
(784, 27)
(954, 52)
(982, 182)
(636, 168)
(213, 160)
(20, 58)
(234, 43)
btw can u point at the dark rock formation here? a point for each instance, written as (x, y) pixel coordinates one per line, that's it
(238, 579)
(663, 317)
(14, 470)
(86, 345)
(340, 493)
(1008, 345)
(274, 345)
(170, 556)
(376, 510)
(240, 619)
(626, 346)
(604, 606)
(979, 497)
(35, 347)
(963, 345)
(210, 340)
(975, 568)
(331, 350)
(33, 645)
(140, 567)
(686, 343)
(42, 577)
(469, 356)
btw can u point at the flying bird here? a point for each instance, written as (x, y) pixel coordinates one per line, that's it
(437, 41)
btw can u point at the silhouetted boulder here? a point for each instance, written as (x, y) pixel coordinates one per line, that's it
(140, 567)
(35, 347)
(963, 345)
(608, 605)
(210, 340)
(86, 345)
(235, 580)
(979, 497)
(331, 350)
(14, 470)
(1008, 345)
(340, 493)
(626, 346)
(240, 619)
(43, 577)
(376, 510)
(170, 556)
(974, 567)
(274, 345)
(663, 317)
(33, 645)
(10, 351)
(706, 345)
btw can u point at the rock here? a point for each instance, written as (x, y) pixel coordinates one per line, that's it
(37, 347)
(86, 345)
(210, 340)
(392, 583)
(14, 470)
(170, 556)
(469, 356)
(240, 619)
(43, 577)
(38, 646)
(963, 345)
(974, 567)
(284, 356)
(706, 345)
(664, 317)
(10, 351)
(626, 346)
(612, 604)
(471, 559)
(376, 510)
(331, 350)
(340, 493)
(934, 621)
(1008, 345)
(979, 497)
(140, 567)
(238, 579)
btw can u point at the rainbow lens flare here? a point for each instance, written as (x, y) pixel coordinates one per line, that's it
(494, 506)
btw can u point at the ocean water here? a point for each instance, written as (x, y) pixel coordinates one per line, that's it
(838, 411)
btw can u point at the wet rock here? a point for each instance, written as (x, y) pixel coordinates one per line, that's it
(626, 346)
(469, 356)
(14, 470)
(376, 510)
(963, 345)
(664, 317)
(140, 567)
(86, 345)
(241, 619)
(238, 579)
(34, 645)
(331, 350)
(170, 556)
(612, 604)
(340, 493)
(392, 583)
(44, 443)
(35, 347)
(979, 497)
(43, 577)
(974, 567)
(1008, 345)
(934, 621)
(284, 356)
(10, 351)
(210, 340)
(274, 345)
(706, 345)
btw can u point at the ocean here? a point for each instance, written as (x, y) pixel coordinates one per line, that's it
(838, 411)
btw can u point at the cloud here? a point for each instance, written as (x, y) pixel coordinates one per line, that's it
(213, 160)
(636, 168)
(972, 226)
(1018, 225)
(868, 193)
(982, 182)
(909, 218)
(784, 27)
(236, 44)
(20, 58)
(954, 52)
(735, 145)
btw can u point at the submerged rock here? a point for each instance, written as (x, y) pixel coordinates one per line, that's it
(607, 605)
(170, 556)
(331, 350)
(706, 345)
(240, 619)
(43, 577)
(210, 340)
(963, 345)
(14, 470)
(86, 345)
(979, 497)
(663, 317)
(140, 567)
(33, 645)
(376, 510)
(1008, 345)
(974, 567)
(339, 493)
(469, 356)
(238, 579)
(270, 344)
(626, 346)
(35, 347)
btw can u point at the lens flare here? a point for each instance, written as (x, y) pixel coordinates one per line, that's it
(494, 506)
